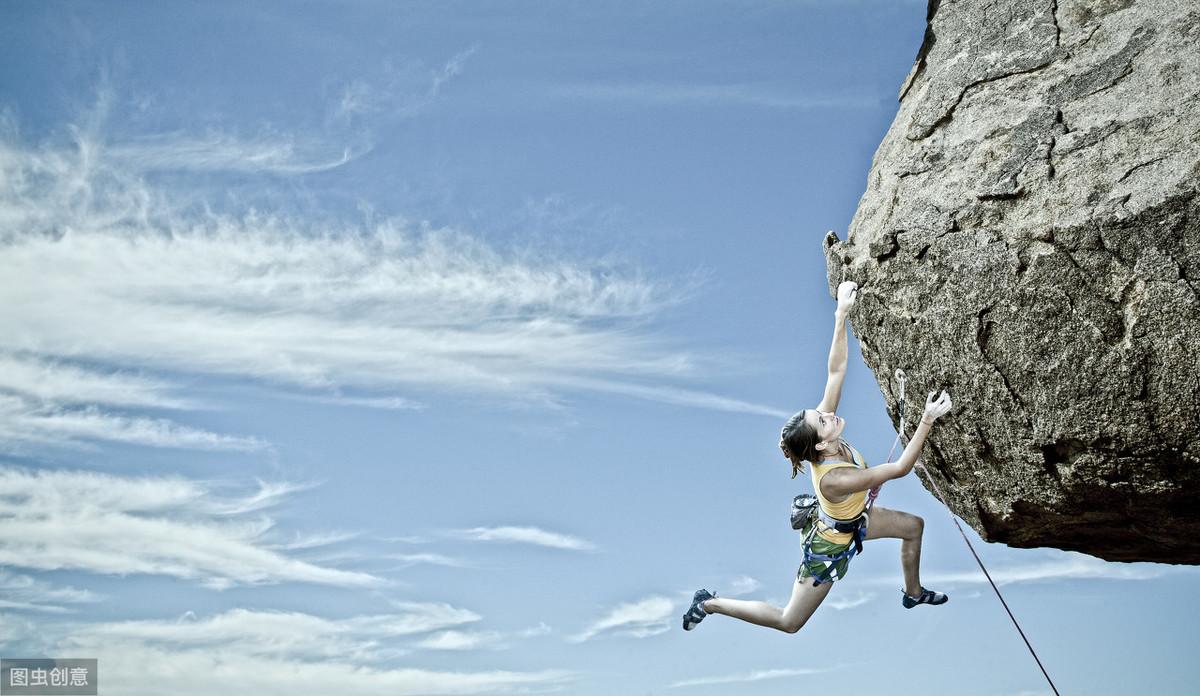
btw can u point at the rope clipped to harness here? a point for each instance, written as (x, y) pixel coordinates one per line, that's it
(902, 379)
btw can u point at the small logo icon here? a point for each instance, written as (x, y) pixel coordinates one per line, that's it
(47, 676)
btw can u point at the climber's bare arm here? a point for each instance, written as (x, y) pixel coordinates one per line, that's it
(841, 482)
(837, 365)
(837, 352)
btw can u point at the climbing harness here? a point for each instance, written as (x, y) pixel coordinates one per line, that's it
(806, 512)
(830, 561)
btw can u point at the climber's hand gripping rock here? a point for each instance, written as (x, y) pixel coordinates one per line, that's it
(846, 295)
(936, 408)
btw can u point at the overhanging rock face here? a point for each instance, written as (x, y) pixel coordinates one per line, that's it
(1030, 240)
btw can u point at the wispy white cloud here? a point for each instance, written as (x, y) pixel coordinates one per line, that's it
(524, 535)
(108, 278)
(532, 632)
(244, 650)
(463, 640)
(1070, 566)
(742, 585)
(458, 640)
(101, 268)
(52, 520)
(60, 383)
(31, 606)
(24, 592)
(411, 559)
(451, 69)
(659, 94)
(676, 396)
(54, 401)
(842, 603)
(223, 152)
(269, 494)
(641, 619)
(746, 677)
(406, 539)
(400, 89)
(294, 634)
(17, 630)
(23, 420)
(387, 403)
(312, 541)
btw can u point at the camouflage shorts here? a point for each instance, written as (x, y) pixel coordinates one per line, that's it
(811, 568)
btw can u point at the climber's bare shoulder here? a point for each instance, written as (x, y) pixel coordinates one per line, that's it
(841, 482)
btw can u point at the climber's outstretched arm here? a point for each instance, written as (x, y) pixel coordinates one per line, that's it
(843, 481)
(837, 352)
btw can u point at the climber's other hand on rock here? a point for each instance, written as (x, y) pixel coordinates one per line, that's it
(846, 295)
(936, 407)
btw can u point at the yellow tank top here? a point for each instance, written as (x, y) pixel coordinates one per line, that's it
(849, 508)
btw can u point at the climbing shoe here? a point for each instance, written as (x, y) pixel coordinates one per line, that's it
(926, 597)
(695, 614)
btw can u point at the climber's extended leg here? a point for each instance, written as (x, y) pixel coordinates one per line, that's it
(805, 600)
(893, 524)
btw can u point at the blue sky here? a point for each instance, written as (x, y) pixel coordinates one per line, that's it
(443, 348)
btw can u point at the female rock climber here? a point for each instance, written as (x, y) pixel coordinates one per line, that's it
(841, 481)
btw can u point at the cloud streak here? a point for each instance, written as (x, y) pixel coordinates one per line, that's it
(403, 90)
(23, 592)
(295, 634)
(524, 535)
(271, 651)
(1076, 568)
(55, 382)
(641, 619)
(108, 279)
(747, 677)
(408, 560)
(842, 603)
(459, 641)
(1070, 566)
(52, 401)
(741, 585)
(660, 94)
(77, 520)
(21, 420)
(222, 152)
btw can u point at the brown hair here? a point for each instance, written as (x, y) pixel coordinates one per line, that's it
(798, 440)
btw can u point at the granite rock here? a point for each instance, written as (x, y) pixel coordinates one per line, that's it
(1029, 240)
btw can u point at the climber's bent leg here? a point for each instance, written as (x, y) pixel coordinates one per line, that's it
(805, 600)
(893, 524)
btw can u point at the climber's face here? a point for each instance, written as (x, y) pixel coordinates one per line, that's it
(829, 427)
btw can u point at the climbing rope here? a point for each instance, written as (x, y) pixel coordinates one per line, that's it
(900, 377)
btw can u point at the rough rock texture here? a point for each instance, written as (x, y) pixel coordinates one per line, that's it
(1030, 240)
